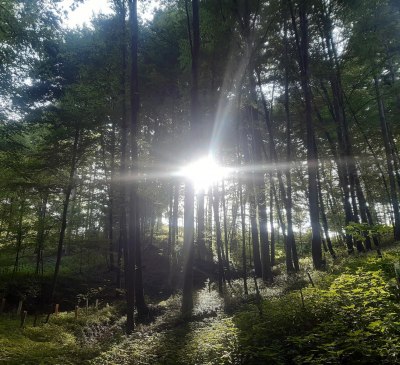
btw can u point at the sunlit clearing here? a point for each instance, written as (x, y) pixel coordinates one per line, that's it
(204, 173)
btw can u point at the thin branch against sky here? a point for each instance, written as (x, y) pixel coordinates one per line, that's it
(84, 12)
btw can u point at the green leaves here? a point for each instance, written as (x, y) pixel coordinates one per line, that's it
(360, 231)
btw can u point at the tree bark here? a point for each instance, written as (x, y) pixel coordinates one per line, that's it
(19, 232)
(134, 247)
(302, 42)
(64, 214)
(187, 294)
(221, 277)
(226, 243)
(389, 160)
(40, 233)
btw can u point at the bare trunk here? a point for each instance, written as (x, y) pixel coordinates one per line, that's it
(40, 233)
(19, 233)
(389, 161)
(64, 214)
(221, 277)
(302, 41)
(187, 294)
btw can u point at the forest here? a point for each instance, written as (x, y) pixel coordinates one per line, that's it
(218, 183)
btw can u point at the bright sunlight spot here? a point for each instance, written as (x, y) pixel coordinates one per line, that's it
(204, 173)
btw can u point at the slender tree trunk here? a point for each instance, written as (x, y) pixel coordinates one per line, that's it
(271, 219)
(201, 244)
(64, 214)
(188, 253)
(302, 42)
(170, 223)
(40, 233)
(19, 233)
(10, 218)
(226, 244)
(348, 170)
(111, 201)
(242, 216)
(324, 219)
(221, 277)
(254, 232)
(251, 188)
(389, 160)
(291, 251)
(290, 242)
(174, 235)
(209, 227)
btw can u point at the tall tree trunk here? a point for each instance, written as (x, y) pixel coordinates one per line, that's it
(111, 202)
(291, 244)
(124, 194)
(40, 233)
(226, 243)
(134, 245)
(19, 232)
(291, 251)
(254, 231)
(348, 167)
(271, 219)
(201, 243)
(209, 226)
(242, 216)
(389, 160)
(302, 41)
(252, 193)
(64, 214)
(324, 219)
(221, 277)
(187, 294)
(170, 223)
(174, 235)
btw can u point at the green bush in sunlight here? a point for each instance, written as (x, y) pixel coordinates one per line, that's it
(352, 316)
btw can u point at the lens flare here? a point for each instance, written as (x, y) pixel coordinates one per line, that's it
(204, 172)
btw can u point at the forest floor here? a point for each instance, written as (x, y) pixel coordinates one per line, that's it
(349, 314)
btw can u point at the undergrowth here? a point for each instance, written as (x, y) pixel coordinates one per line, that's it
(350, 316)
(64, 340)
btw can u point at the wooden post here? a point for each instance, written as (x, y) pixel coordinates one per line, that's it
(87, 305)
(97, 304)
(302, 299)
(19, 308)
(76, 312)
(56, 309)
(23, 318)
(3, 305)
